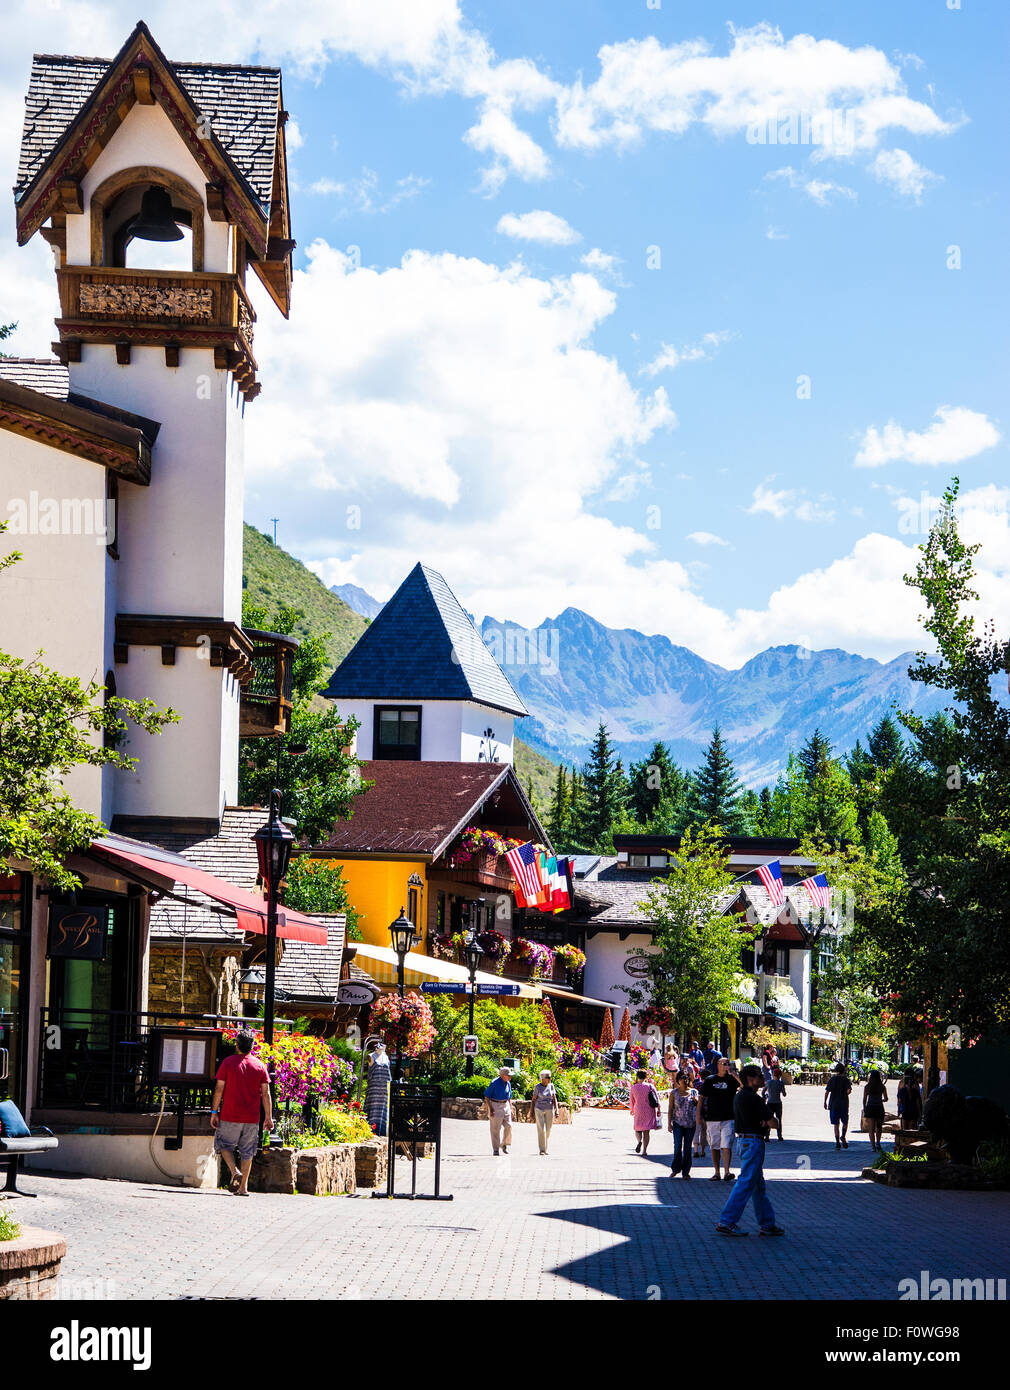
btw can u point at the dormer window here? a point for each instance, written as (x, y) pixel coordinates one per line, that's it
(397, 733)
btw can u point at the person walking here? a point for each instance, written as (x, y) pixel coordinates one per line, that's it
(909, 1099)
(751, 1119)
(696, 1054)
(874, 1095)
(836, 1103)
(241, 1086)
(499, 1099)
(671, 1060)
(775, 1089)
(655, 1057)
(683, 1118)
(711, 1056)
(545, 1109)
(717, 1094)
(644, 1109)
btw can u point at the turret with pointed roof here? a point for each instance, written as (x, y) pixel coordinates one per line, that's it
(423, 654)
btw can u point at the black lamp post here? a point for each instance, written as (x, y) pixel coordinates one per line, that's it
(474, 954)
(402, 932)
(273, 842)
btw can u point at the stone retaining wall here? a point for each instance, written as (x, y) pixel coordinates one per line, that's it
(30, 1265)
(321, 1172)
(469, 1108)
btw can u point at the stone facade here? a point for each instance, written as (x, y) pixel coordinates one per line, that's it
(371, 1162)
(210, 983)
(30, 1265)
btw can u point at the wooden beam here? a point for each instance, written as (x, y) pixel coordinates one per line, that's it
(171, 354)
(142, 86)
(123, 354)
(221, 358)
(216, 210)
(71, 197)
(121, 653)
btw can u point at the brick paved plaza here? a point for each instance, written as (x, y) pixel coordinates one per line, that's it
(594, 1220)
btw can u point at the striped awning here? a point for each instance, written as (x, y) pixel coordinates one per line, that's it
(382, 966)
(563, 995)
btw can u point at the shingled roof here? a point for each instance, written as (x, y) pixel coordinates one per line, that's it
(310, 974)
(423, 646)
(42, 374)
(230, 855)
(239, 102)
(418, 807)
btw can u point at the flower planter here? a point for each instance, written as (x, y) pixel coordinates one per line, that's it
(30, 1265)
(321, 1172)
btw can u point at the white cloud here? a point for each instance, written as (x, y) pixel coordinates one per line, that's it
(955, 434)
(670, 357)
(707, 538)
(363, 194)
(600, 261)
(820, 191)
(900, 170)
(789, 502)
(538, 225)
(776, 234)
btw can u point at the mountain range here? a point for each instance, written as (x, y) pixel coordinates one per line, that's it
(572, 672)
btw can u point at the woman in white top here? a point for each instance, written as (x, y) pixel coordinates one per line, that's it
(545, 1109)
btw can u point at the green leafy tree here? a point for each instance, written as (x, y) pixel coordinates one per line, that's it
(316, 885)
(716, 790)
(50, 725)
(695, 957)
(318, 785)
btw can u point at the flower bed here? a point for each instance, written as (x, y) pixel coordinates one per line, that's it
(303, 1066)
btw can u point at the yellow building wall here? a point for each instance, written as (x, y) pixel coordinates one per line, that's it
(378, 889)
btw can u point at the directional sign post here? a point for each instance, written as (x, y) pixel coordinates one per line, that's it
(463, 987)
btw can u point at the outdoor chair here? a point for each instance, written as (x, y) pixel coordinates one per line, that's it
(16, 1140)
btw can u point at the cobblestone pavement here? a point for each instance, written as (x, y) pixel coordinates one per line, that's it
(594, 1220)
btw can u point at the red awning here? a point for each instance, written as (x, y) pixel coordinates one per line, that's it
(250, 908)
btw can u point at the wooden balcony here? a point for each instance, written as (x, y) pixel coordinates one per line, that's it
(482, 871)
(172, 309)
(265, 711)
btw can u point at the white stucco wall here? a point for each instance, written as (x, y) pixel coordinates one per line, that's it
(451, 730)
(190, 768)
(605, 972)
(56, 599)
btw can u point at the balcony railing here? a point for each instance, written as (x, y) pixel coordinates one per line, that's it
(102, 1059)
(267, 698)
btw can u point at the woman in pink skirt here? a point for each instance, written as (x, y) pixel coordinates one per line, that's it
(644, 1108)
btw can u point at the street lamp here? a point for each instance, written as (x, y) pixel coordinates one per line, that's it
(402, 932)
(273, 843)
(473, 954)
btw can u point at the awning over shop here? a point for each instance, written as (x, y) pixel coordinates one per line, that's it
(249, 908)
(381, 963)
(810, 1028)
(557, 992)
(740, 1006)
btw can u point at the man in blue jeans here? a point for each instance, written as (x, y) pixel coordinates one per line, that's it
(750, 1122)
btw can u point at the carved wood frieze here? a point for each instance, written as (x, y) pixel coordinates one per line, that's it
(117, 300)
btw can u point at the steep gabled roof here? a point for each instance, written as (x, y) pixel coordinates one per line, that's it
(230, 115)
(423, 646)
(419, 808)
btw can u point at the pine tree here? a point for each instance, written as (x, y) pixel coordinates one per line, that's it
(766, 811)
(559, 815)
(717, 790)
(656, 779)
(602, 794)
(886, 745)
(814, 756)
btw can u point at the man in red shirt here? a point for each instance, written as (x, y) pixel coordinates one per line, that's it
(243, 1084)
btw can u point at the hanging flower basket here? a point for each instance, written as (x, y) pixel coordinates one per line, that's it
(538, 959)
(406, 1023)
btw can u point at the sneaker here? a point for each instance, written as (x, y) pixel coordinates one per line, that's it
(729, 1230)
(771, 1231)
(496, 1153)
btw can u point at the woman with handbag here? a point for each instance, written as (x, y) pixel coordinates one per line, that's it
(645, 1110)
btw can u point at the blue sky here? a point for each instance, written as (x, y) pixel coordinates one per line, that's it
(543, 416)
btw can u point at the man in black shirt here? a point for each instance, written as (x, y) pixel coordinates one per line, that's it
(751, 1120)
(717, 1092)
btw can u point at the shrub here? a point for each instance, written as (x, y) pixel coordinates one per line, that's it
(9, 1228)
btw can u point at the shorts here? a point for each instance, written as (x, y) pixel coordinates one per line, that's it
(838, 1114)
(231, 1136)
(775, 1109)
(720, 1134)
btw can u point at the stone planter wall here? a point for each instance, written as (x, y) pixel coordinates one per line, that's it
(30, 1265)
(322, 1172)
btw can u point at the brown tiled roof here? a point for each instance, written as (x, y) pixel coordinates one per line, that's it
(230, 855)
(417, 807)
(240, 102)
(310, 974)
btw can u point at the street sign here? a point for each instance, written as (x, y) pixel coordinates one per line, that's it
(439, 987)
(357, 992)
(470, 1045)
(496, 989)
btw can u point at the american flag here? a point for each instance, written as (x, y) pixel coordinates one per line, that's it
(771, 876)
(818, 889)
(523, 863)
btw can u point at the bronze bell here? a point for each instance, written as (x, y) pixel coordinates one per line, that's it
(156, 221)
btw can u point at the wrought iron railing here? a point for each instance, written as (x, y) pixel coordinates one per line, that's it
(102, 1059)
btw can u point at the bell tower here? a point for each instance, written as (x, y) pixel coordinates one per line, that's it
(159, 185)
